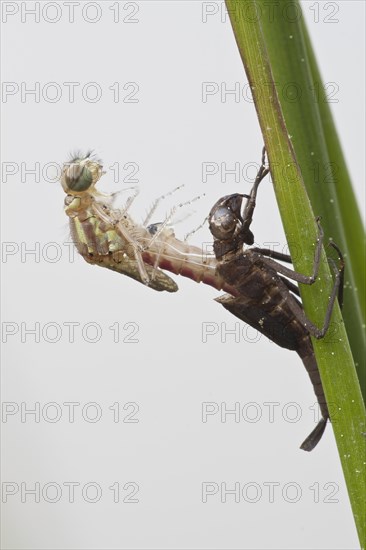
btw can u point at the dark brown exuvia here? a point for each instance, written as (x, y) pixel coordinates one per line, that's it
(265, 298)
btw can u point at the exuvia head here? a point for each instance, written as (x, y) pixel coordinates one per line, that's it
(227, 224)
(81, 173)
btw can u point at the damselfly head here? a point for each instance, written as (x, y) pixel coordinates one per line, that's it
(80, 174)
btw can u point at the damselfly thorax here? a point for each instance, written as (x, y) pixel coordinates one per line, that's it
(109, 237)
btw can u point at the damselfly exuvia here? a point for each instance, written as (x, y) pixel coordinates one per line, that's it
(109, 237)
(265, 297)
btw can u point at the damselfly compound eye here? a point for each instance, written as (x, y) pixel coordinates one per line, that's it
(223, 223)
(80, 175)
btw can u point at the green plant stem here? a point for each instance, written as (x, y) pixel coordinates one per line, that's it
(355, 245)
(333, 355)
(309, 121)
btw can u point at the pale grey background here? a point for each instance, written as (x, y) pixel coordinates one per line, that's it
(170, 452)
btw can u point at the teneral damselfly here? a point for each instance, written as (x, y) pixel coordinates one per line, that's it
(109, 237)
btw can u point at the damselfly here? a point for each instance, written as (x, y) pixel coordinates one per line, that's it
(109, 237)
(258, 288)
